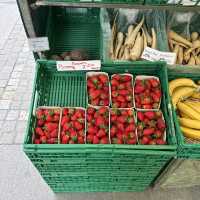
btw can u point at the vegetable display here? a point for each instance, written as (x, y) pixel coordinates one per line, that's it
(187, 49)
(130, 45)
(186, 100)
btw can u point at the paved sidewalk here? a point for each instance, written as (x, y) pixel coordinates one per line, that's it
(19, 180)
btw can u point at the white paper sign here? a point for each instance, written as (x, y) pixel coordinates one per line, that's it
(155, 55)
(39, 44)
(78, 65)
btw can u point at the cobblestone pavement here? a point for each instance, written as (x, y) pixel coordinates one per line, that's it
(19, 180)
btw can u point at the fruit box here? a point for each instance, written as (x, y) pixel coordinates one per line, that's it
(111, 93)
(91, 74)
(141, 77)
(185, 149)
(34, 136)
(80, 132)
(90, 167)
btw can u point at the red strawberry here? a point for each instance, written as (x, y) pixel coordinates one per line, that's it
(103, 78)
(161, 124)
(114, 93)
(121, 86)
(138, 89)
(150, 114)
(65, 111)
(43, 139)
(154, 82)
(147, 106)
(123, 92)
(90, 139)
(39, 114)
(117, 141)
(95, 102)
(54, 133)
(56, 118)
(131, 141)
(40, 122)
(91, 110)
(92, 130)
(158, 114)
(160, 142)
(95, 140)
(71, 142)
(130, 127)
(73, 136)
(65, 139)
(113, 131)
(101, 133)
(125, 105)
(49, 118)
(119, 135)
(152, 142)
(140, 116)
(114, 82)
(126, 78)
(120, 98)
(158, 134)
(116, 77)
(39, 131)
(52, 140)
(129, 98)
(116, 105)
(100, 121)
(140, 126)
(94, 79)
(148, 131)
(102, 110)
(81, 140)
(66, 126)
(122, 119)
(36, 141)
(103, 95)
(104, 140)
(95, 94)
(145, 140)
(120, 126)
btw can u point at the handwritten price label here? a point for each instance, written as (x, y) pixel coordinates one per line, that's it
(39, 44)
(78, 65)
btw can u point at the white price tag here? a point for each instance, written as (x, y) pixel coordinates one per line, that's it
(155, 55)
(78, 65)
(39, 44)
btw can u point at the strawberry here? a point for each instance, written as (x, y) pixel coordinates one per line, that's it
(161, 124)
(148, 131)
(117, 141)
(65, 111)
(147, 106)
(132, 141)
(103, 78)
(95, 140)
(71, 142)
(95, 102)
(66, 126)
(140, 126)
(160, 142)
(39, 131)
(114, 93)
(152, 142)
(140, 116)
(113, 131)
(121, 86)
(104, 140)
(145, 140)
(40, 122)
(81, 140)
(102, 110)
(43, 139)
(65, 139)
(101, 133)
(149, 114)
(36, 141)
(114, 82)
(154, 82)
(90, 138)
(91, 110)
(116, 77)
(39, 114)
(121, 119)
(54, 133)
(52, 141)
(49, 118)
(56, 118)
(138, 89)
(158, 134)
(78, 126)
(123, 92)
(126, 78)
(95, 94)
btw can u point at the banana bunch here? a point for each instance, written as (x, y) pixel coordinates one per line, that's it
(181, 88)
(186, 99)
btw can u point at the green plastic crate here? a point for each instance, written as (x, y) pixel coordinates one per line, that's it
(99, 1)
(70, 29)
(185, 150)
(126, 167)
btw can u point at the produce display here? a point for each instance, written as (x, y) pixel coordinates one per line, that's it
(147, 92)
(130, 45)
(122, 126)
(186, 101)
(151, 128)
(47, 126)
(122, 90)
(77, 55)
(97, 125)
(186, 49)
(98, 89)
(72, 126)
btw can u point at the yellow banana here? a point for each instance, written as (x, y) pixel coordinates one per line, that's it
(180, 93)
(193, 105)
(184, 115)
(180, 82)
(191, 133)
(188, 111)
(190, 123)
(196, 95)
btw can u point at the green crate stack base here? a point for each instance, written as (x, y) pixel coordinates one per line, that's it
(185, 150)
(87, 167)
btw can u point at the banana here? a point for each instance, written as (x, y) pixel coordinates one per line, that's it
(180, 93)
(190, 123)
(184, 115)
(180, 82)
(191, 133)
(196, 95)
(193, 105)
(188, 111)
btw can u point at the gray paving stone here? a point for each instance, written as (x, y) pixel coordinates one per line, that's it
(25, 105)
(20, 132)
(4, 75)
(15, 105)
(3, 114)
(8, 95)
(8, 126)
(18, 67)
(12, 115)
(3, 83)
(13, 82)
(4, 104)
(15, 75)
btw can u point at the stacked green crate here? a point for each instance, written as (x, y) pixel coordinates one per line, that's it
(88, 167)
